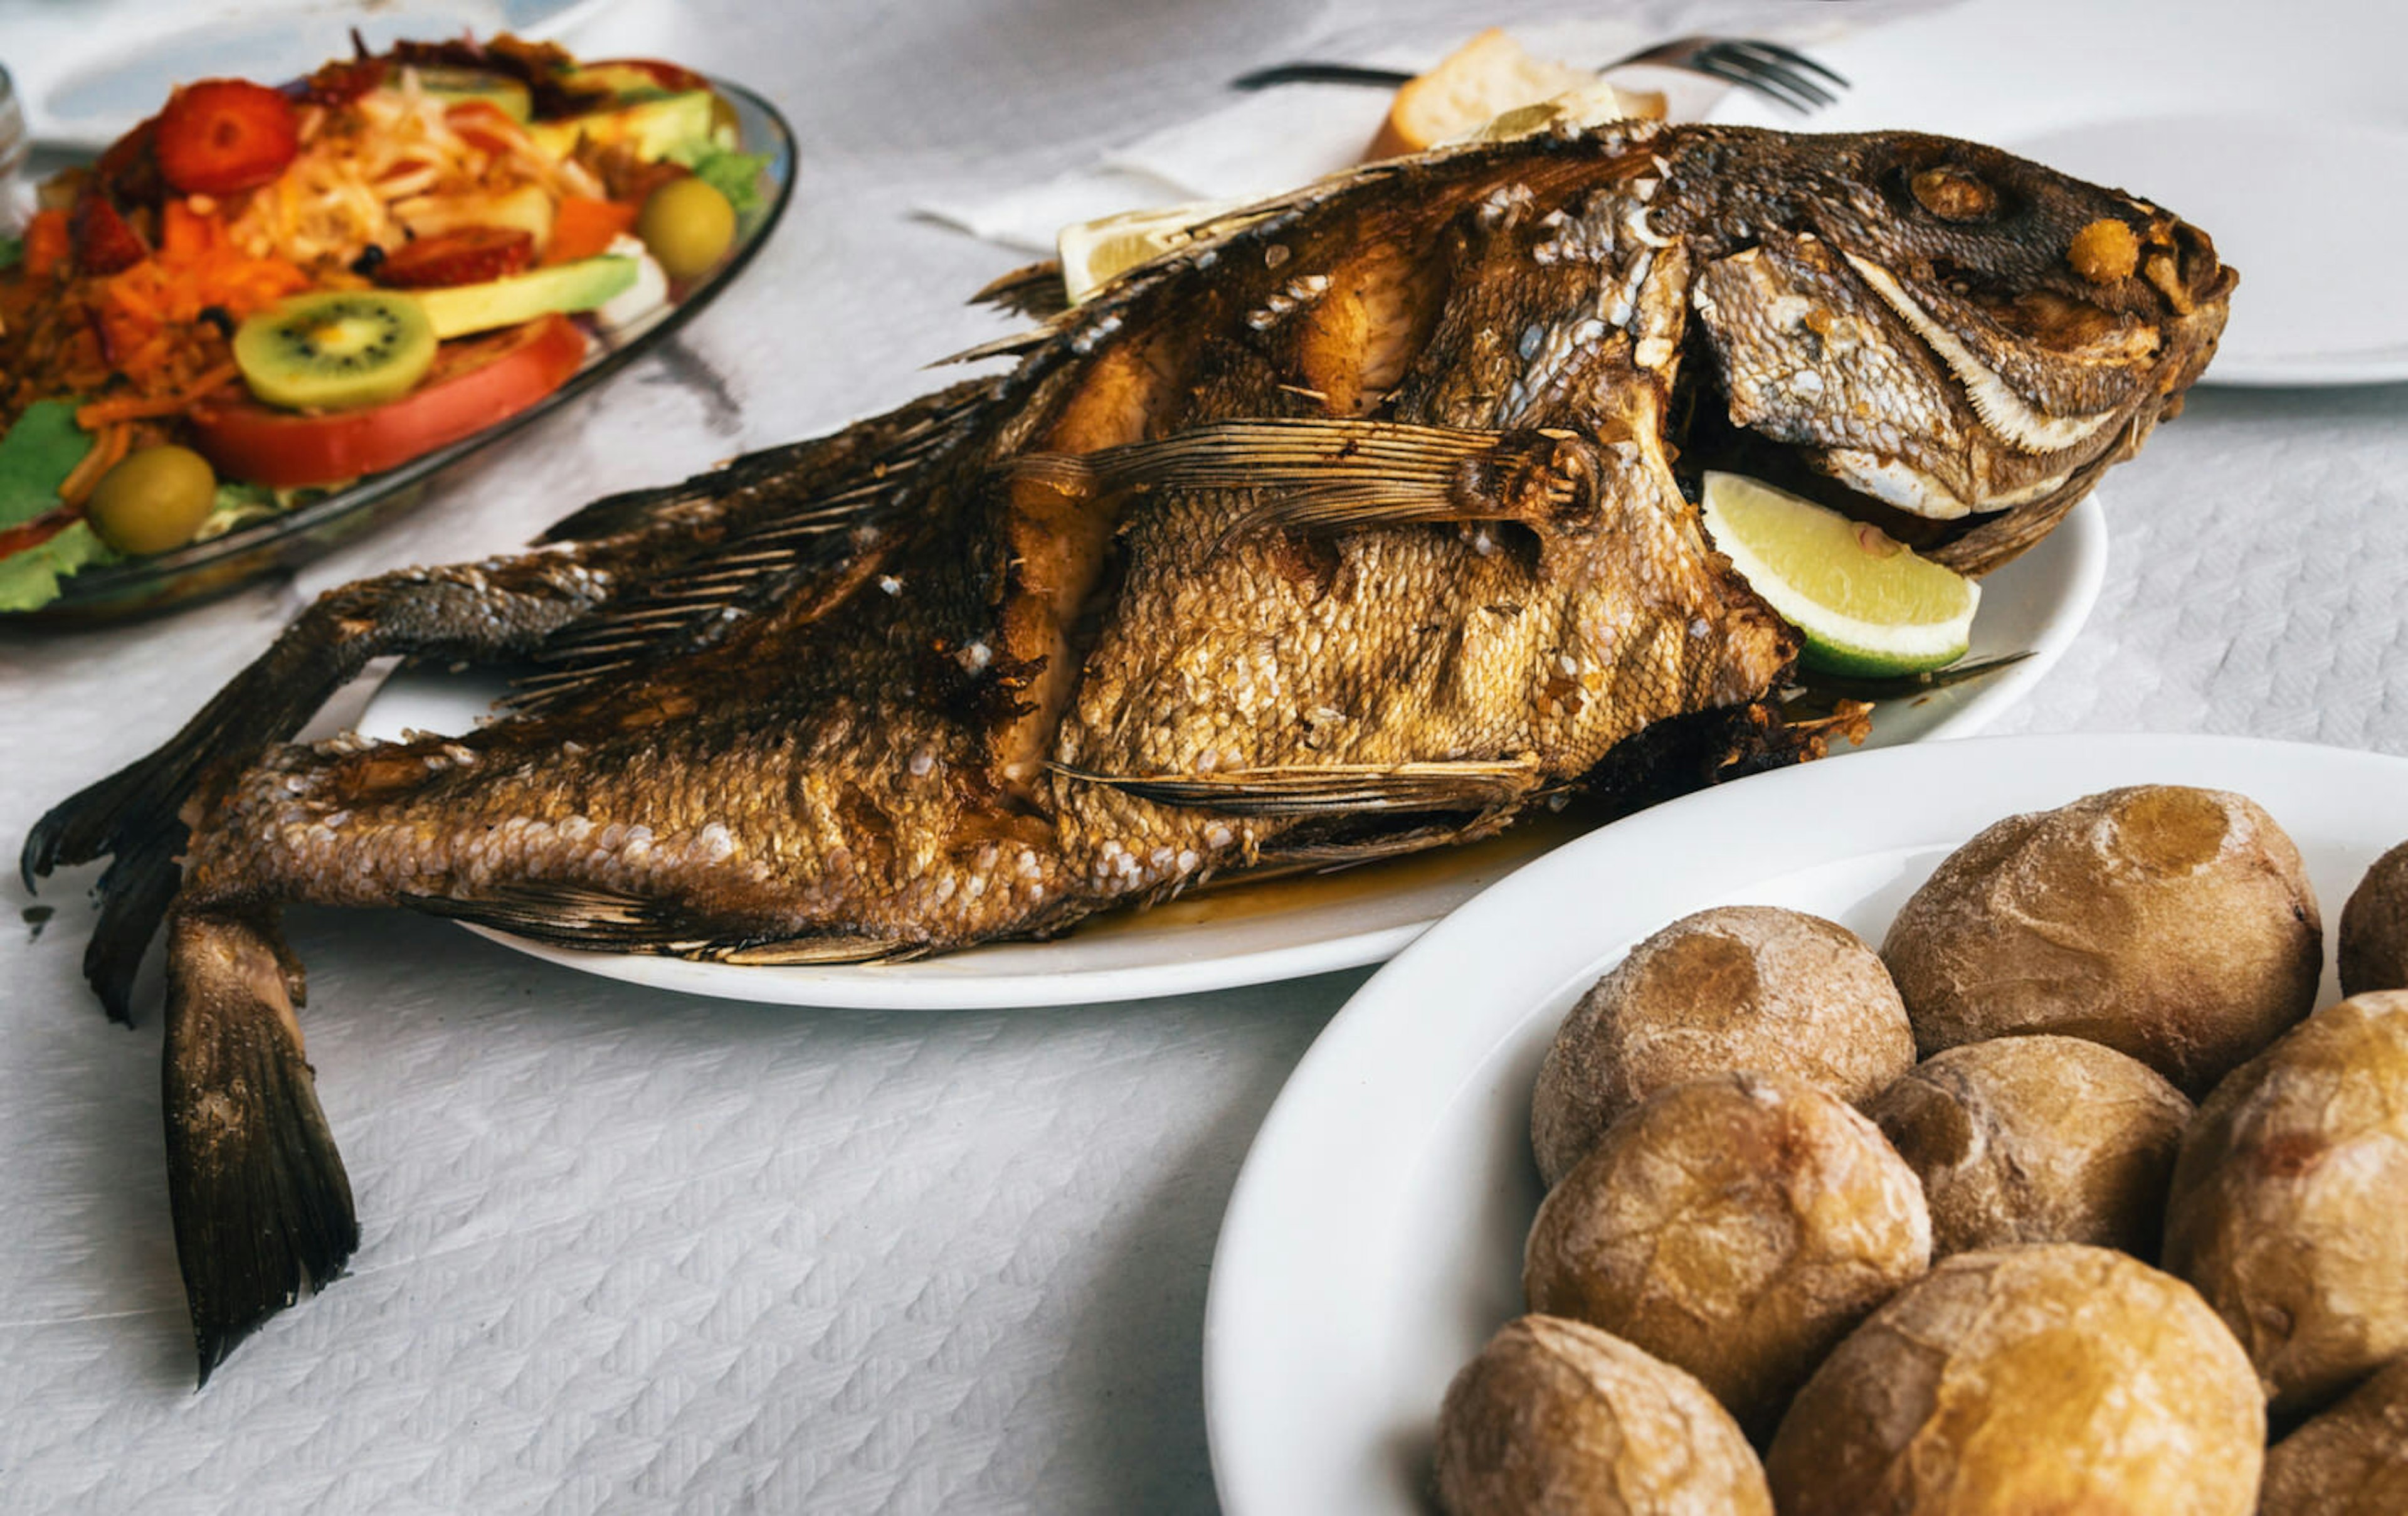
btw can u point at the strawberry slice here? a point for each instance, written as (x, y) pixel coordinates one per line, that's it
(103, 240)
(224, 135)
(463, 255)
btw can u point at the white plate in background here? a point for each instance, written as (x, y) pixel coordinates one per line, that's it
(1244, 935)
(2281, 130)
(1374, 1238)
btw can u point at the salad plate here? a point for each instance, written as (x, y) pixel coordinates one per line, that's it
(1257, 932)
(216, 564)
(1373, 1240)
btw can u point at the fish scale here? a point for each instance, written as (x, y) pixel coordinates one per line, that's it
(1359, 524)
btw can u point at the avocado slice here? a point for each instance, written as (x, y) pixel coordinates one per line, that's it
(460, 85)
(580, 285)
(651, 126)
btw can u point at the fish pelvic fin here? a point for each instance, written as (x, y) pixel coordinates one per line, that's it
(262, 1206)
(1332, 788)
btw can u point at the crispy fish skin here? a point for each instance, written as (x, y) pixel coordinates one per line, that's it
(1357, 525)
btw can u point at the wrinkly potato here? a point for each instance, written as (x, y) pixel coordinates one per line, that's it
(1558, 1416)
(2289, 1204)
(2051, 1377)
(1735, 1227)
(2173, 924)
(2351, 1461)
(1739, 987)
(2374, 928)
(2037, 1139)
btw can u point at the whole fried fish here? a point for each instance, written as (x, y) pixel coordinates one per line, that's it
(1358, 525)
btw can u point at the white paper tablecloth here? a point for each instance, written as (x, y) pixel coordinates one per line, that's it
(628, 1251)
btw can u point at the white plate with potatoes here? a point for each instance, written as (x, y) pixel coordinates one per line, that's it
(1764, 1240)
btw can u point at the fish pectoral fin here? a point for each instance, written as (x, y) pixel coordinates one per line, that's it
(1334, 475)
(1319, 790)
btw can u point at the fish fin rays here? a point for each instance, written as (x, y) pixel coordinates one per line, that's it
(564, 915)
(1034, 290)
(804, 527)
(592, 920)
(1335, 474)
(1319, 790)
(262, 1206)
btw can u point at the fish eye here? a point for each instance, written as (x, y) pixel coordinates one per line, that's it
(1953, 194)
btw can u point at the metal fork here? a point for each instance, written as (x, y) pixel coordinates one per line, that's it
(1783, 75)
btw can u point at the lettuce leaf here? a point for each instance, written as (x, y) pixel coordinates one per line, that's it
(36, 457)
(12, 252)
(733, 174)
(30, 578)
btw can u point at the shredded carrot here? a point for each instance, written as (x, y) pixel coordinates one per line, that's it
(46, 242)
(107, 451)
(99, 414)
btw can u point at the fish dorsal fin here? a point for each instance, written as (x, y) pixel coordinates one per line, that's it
(1033, 290)
(1325, 788)
(808, 524)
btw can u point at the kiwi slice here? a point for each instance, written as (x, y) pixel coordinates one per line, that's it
(335, 350)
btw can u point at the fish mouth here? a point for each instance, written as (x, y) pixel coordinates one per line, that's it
(1980, 444)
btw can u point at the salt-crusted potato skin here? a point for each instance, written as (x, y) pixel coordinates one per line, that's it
(2350, 1461)
(2054, 1377)
(2171, 923)
(1735, 1227)
(2037, 1139)
(2289, 1203)
(2374, 928)
(1557, 1417)
(1737, 986)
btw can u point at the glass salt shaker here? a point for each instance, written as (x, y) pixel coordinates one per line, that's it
(14, 193)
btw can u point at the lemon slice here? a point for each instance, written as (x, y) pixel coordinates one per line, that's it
(1095, 253)
(1865, 602)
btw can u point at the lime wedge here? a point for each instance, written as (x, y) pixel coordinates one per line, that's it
(1865, 602)
(1095, 253)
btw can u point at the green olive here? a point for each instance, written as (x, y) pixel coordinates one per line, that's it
(687, 226)
(153, 500)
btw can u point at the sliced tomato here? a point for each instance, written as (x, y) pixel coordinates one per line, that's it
(473, 384)
(223, 134)
(105, 242)
(463, 255)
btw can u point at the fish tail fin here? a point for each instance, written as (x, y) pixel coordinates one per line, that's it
(262, 1205)
(475, 612)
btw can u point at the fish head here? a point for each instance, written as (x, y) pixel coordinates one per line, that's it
(1937, 331)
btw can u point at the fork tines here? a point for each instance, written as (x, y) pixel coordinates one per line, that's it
(1779, 74)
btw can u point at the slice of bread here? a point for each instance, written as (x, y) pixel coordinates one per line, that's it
(1479, 80)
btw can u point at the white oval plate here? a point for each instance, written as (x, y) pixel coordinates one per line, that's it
(2251, 120)
(1374, 1238)
(1243, 935)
